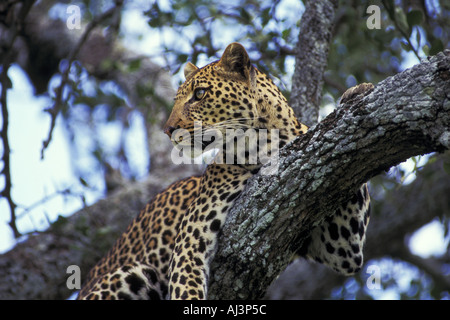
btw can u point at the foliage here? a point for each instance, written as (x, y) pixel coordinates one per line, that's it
(199, 31)
(270, 29)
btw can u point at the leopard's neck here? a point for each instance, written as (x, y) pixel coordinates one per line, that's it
(273, 109)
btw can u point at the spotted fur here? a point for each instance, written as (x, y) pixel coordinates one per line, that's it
(167, 250)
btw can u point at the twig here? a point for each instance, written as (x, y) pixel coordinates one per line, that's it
(6, 192)
(311, 57)
(26, 210)
(402, 32)
(54, 111)
(6, 84)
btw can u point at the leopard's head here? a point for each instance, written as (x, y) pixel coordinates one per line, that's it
(214, 98)
(229, 96)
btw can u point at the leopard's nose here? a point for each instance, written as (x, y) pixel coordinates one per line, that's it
(169, 130)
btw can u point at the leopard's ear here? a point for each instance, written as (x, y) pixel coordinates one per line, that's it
(189, 69)
(236, 59)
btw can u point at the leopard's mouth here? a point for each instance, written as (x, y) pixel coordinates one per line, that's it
(198, 141)
(194, 143)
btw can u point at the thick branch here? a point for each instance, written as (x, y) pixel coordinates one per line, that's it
(311, 57)
(36, 269)
(398, 215)
(404, 116)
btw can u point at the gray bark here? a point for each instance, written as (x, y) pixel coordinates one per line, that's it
(399, 214)
(316, 26)
(405, 115)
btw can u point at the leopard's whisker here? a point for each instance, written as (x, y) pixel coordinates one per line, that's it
(238, 123)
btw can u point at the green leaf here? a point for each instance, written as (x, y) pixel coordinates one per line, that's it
(134, 65)
(414, 18)
(83, 182)
(182, 58)
(405, 45)
(401, 19)
(245, 15)
(418, 37)
(436, 47)
(390, 8)
(285, 34)
(265, 17)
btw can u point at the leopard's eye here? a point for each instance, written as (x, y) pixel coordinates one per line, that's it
(199, 94)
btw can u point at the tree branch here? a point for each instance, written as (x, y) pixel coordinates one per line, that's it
(56, 108)
(404, 116)
(311, 57)
(400, 213)
(36, 269)
(6, 60)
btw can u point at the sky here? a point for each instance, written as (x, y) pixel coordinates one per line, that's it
(35, 179)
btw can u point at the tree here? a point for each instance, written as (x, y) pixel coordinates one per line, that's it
(354, 52)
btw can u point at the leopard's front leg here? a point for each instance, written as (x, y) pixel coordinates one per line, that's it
(196, 242)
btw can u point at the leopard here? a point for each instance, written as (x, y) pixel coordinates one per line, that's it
(167, 250)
